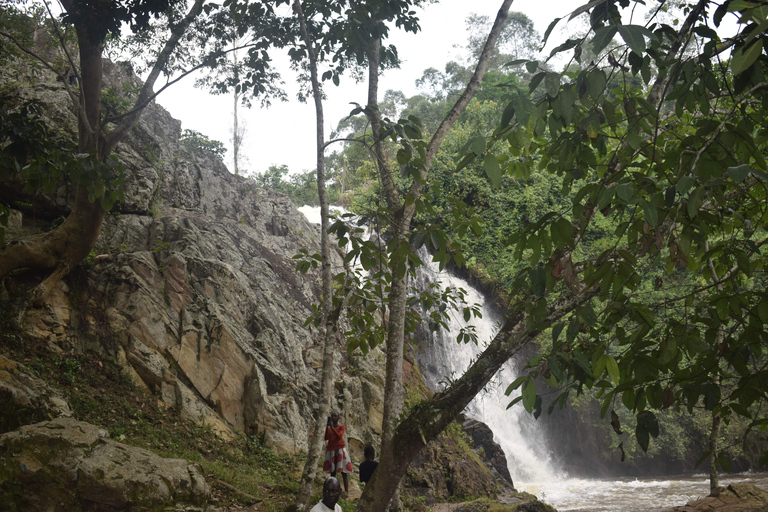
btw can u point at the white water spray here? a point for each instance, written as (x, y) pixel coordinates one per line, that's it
(444, 359)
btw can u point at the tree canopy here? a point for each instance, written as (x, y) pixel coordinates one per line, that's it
(644, 273)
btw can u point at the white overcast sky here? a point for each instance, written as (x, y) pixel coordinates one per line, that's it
(285, 133)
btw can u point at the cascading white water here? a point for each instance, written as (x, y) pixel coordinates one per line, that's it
(515, 430)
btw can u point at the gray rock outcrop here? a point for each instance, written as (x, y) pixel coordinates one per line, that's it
(492, 453)
(65, 464)
(192, 287)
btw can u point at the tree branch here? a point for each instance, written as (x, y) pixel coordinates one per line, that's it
(111, 139)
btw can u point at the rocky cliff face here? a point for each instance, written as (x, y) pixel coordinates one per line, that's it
(192, 286)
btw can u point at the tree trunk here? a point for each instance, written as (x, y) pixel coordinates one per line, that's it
(330, 320)
(236, 141)
(395, 455)
(714, 435)
(62, 248)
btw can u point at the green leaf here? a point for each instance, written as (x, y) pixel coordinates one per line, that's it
(529, 395)
(587, 314)
(684, 184)
(492, 170)
(651, 214)
(538, 278)
(603, 36)
(628, 399)
(711, 392)
(515, 384)
(508, 114)
(739, 173)
(669, 197)
(605, 197)
(613, 369)
(478, 145)
(573, 329)
(647, 425)
(596, 82)
(633, 35)
(669, 353)
(585, 8)
(552, 83)
(549, 30)
(743, 58)
(599, 367)
(536, 80)
(557, 329)
(695, 201)
(625, 191)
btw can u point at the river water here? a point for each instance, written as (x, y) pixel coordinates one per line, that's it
(629, 494)
(530, 463)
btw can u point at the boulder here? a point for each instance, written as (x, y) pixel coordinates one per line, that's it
(492, 453)
(737, 497)
(26, 399)
(447, 470)
(66, 464)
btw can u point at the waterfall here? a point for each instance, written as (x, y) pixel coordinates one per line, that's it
(443, 359)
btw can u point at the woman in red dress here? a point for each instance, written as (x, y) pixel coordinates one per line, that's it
(336, 455)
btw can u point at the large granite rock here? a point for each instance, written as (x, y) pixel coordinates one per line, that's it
(65, 464)
(489, 450)
(447, 470)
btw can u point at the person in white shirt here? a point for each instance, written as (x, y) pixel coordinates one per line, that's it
(331, 493)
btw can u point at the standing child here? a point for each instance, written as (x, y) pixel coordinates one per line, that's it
(368, 465)
(336, 456)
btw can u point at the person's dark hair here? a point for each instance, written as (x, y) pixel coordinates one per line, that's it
(369, 452)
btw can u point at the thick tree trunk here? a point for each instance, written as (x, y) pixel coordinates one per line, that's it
(62, 248)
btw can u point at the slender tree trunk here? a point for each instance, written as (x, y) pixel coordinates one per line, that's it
(235, 127)
(714, 435)
(316, 442)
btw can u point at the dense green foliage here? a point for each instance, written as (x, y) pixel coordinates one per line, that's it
(637, 177)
